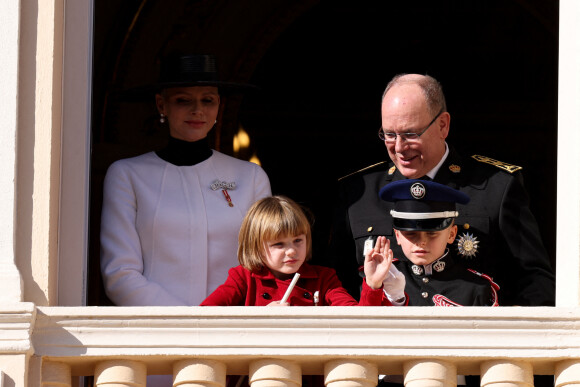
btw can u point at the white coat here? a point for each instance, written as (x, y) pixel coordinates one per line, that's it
(168, 238)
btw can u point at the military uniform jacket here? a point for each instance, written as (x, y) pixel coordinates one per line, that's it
(496, 226)
(446, 282)
(317, 285)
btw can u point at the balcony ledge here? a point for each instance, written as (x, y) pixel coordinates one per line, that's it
(159, 336)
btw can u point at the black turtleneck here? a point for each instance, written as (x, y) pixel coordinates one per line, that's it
(184, 153)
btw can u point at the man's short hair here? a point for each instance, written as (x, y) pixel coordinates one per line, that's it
(432, 89)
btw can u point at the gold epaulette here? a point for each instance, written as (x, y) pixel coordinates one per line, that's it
(500, 164)
(362, 170)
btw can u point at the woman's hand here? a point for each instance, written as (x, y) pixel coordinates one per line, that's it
(377, 262)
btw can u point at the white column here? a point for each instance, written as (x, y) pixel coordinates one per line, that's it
(349, 373)
(56, 374)
(10, 281)
(506, 373)
(568, 373)
(568, 197)
(199, 373)
(275, 373)
(429, 373)
(120, 373)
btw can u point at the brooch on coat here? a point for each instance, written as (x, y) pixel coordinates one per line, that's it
(468, 245)
(224, 185)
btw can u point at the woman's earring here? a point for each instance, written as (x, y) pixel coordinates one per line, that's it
(162, 118)
(215, 122)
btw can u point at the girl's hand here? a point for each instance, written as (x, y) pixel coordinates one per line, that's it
(377, 262)
(278, 303)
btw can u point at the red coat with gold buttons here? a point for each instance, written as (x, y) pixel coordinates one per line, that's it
(244, 287)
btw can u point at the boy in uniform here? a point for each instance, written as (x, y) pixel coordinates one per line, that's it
(429, 274)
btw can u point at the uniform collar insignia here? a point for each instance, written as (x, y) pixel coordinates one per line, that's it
(392, 170)
(455, 168)
(417, 270)
(438, 266)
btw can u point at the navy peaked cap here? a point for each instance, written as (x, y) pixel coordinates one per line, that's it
(422, 205)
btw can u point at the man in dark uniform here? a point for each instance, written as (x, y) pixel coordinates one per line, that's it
(498, 235)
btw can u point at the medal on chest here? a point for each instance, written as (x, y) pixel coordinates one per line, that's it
(225, 186)
(467, 245)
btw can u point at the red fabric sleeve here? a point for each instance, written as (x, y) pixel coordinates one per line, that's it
(373, 297)
(231, 293)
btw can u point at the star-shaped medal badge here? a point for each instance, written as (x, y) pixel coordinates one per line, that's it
(468, 245)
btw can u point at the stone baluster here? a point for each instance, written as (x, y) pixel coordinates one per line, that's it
(199, 373)
(429, 373)
(275, 373)
(56, 374)
(120, 373)
(568, 373)
(506, 373)
(350, 373)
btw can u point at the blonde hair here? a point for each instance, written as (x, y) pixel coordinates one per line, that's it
(268, 219)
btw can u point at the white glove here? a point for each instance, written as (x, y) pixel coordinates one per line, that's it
(394, 286)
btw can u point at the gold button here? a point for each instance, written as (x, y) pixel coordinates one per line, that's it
(466, 226)
(370, 229)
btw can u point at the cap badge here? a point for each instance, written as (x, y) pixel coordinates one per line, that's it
(417, 270)
(439, 266)
(455, 168)
(468, 245)
(392, 170)
(418, 191)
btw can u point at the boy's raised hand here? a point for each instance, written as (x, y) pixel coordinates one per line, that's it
(377, 262)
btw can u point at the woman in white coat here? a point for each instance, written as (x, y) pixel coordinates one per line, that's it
(170, 218)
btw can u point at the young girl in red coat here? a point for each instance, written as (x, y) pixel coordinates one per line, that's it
(274, 244)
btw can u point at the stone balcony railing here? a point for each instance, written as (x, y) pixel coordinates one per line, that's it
(351, 346)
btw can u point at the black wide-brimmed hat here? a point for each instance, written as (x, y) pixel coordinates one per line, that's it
(185, 70)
